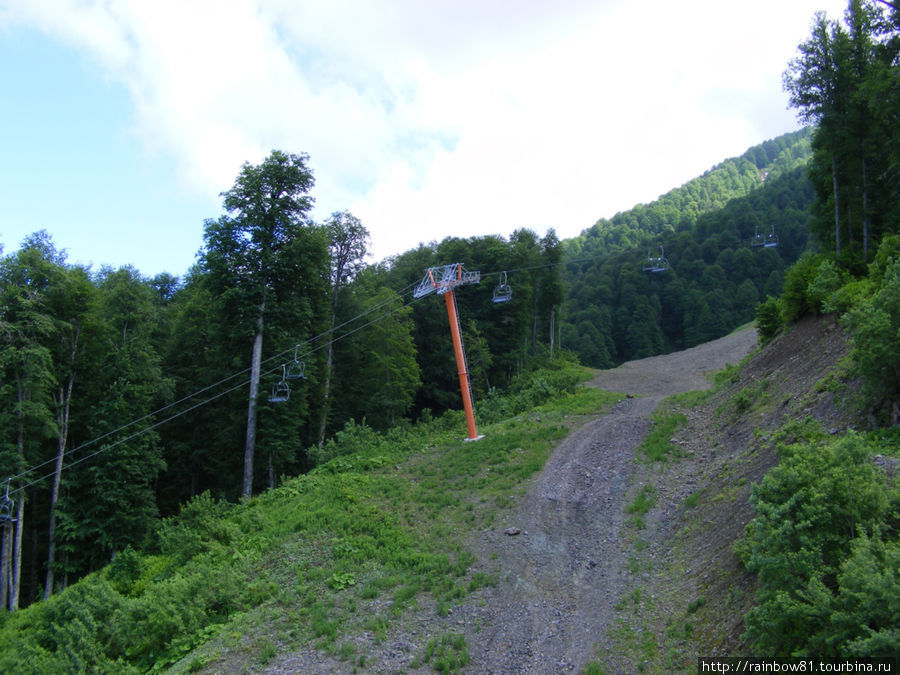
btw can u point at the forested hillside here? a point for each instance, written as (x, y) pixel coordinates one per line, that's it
(708, 230)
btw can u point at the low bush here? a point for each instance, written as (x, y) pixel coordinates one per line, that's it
(768, 319)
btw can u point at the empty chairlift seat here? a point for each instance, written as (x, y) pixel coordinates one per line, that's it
(502, 293)
(656, 264)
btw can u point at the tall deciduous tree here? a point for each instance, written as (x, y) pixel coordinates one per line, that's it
(72, 303)
(251, 252)
(817, 84)
(347, 241)
(108, 502)
(845, 81)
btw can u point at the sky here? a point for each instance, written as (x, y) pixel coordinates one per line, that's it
(123, 121)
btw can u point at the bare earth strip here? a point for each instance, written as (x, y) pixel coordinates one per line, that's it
(563, 573)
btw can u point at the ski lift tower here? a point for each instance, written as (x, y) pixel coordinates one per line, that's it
(442, 280)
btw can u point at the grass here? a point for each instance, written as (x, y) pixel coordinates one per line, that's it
(657, 446)
(447, 653)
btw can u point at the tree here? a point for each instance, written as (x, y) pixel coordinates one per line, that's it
(72, 299)
(109, 502)
(347, 248)
(845, 81)
(801, 546)
(876, 342)
(27, 379)
(552, 292)
(248, 257)
(817, 84)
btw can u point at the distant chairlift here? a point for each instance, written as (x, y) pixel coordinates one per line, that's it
(502, 293)
(281, 391)
(764, 241)
(654, 264)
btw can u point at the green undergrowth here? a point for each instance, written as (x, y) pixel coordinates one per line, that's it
(658, 446)
(345, 550)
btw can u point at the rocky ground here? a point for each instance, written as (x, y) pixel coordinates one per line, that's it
(567, 569)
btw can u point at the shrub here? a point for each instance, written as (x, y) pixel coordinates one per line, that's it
(768, 319)
(876, 341)
(353, 438)
(199, 526)
(852, 294)
(827, 281)
(795, 299)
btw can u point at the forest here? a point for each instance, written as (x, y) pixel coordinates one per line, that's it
(122, 397)
(709, 231)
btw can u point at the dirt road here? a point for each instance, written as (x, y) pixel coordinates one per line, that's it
(563, 573)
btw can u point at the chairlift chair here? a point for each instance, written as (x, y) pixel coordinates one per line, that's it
(656, 264)
(771, 239)
(6, 507)
(296, 369)
(281, 391)
(502, 293)
(757, 240)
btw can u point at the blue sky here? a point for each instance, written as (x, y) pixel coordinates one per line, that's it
(73, 165)
(122, 121)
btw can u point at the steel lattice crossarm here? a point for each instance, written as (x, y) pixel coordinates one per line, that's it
(442, 279)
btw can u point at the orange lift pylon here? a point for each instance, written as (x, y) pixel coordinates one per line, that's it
(442, 280)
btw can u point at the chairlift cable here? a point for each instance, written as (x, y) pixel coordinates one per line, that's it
(199, 404)
(241, 384)
(203, 390)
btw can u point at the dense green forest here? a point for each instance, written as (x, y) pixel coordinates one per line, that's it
(707, 230)
(122, 397)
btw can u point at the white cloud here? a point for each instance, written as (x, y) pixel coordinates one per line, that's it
(449, 116)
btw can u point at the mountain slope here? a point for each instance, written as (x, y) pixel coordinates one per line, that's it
(616, 311)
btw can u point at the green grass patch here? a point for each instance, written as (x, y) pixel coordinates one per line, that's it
(693, 499)
(446, 654)
(657, 446)
(644, 500)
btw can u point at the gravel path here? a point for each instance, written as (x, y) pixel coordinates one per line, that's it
(563, 573)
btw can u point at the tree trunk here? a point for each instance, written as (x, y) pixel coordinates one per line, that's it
(329, 359)
(865, 208)
(255, 365)
(16, 575)
(323, 422)
(62, 419)
(552, 331)
(5, 563)
(837, 210)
